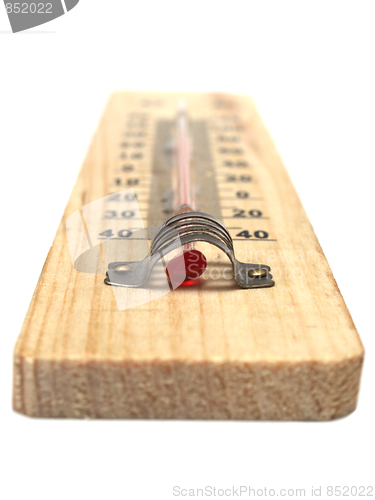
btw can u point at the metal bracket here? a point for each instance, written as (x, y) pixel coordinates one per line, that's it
(181, 230)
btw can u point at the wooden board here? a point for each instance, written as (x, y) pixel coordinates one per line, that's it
(212, 351)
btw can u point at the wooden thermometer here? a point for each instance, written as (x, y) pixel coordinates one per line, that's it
(157, 299)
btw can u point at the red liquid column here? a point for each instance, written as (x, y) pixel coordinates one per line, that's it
(188, 269)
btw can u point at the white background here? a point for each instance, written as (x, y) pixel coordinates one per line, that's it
(310, 68)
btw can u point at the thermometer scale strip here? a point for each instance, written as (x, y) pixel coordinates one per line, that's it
(213, 351)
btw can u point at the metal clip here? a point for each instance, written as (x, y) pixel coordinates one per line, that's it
(181, 230)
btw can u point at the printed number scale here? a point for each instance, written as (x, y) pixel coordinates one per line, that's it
(218, 348)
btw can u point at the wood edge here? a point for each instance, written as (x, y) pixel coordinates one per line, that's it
(263, 148)
(215, 94)
(297, 391)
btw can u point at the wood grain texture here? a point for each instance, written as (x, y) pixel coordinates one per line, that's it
(213, 351)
